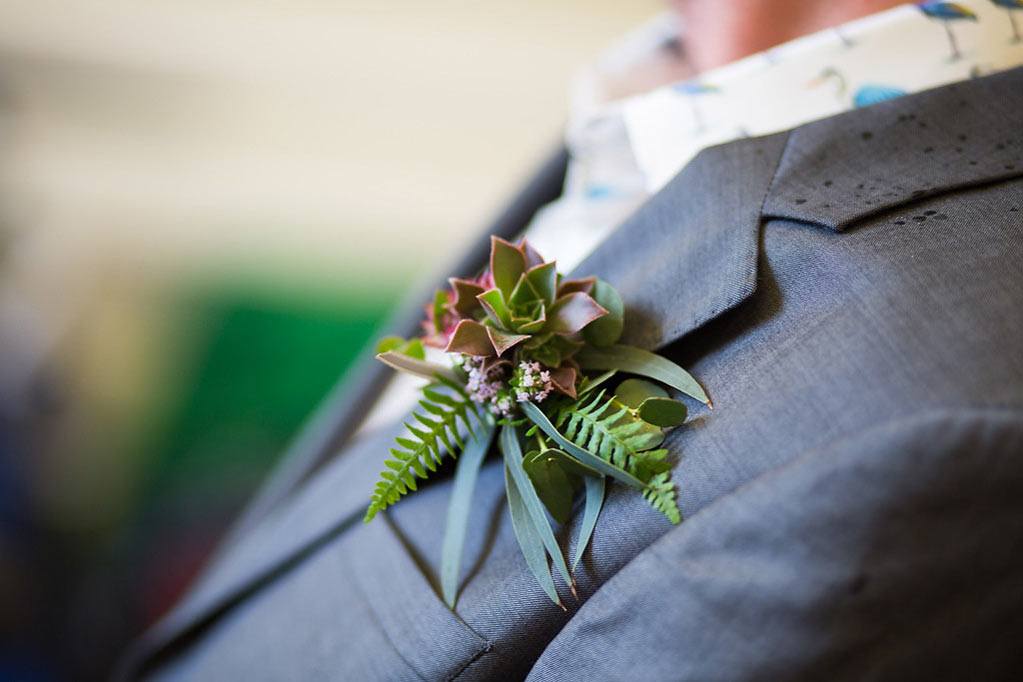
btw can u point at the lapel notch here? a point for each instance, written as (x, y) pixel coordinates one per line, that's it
(690, 253)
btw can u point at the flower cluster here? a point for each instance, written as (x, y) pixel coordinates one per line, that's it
(492, 385)
(486, 384)
(531, 381)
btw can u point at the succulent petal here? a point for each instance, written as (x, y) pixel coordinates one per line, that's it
(507, 263)
(533, 258)
(584, 285)
(563, 379)
(572, 312)
(502, 341)
(471, 337)
(465, 302)
(544, 280)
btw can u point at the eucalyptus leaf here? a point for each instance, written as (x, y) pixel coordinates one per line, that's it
(594, 501)
(644, 363)
(459, 506)
(512, 452)
(663, 412)
(632, 392)
(552, 485)
(422, 368)
(536, 415)
(589, 384)
(570, 464)
(606, 330)
(529, 539)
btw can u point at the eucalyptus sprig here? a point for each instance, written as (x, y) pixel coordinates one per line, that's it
(530, 359)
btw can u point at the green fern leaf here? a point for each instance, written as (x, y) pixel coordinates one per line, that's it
(434, 432)
(609, 429)
(660, 493)
(613, 432)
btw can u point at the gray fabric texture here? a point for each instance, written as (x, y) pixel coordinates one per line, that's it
(866, 369)
(894, 553)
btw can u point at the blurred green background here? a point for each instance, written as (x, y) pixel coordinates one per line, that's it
(206, 211)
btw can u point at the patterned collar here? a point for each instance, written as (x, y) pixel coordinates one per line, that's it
(624, 151)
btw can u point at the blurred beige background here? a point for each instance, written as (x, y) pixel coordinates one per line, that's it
(286, 136)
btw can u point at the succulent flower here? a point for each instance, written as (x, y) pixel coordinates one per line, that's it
(529, 306)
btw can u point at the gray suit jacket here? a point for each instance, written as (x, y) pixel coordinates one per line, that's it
(851, 294)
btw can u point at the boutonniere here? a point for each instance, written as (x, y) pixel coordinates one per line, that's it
(533, 362)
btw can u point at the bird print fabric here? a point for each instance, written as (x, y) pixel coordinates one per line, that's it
(906, 49)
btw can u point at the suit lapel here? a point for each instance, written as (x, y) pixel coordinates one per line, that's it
(690, 253)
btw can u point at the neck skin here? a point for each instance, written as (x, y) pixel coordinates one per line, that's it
(718, 32)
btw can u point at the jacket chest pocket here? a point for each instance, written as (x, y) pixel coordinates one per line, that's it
(424, 632)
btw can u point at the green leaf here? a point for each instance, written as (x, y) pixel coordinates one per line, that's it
(570, 465)
(512, 452)
(633, 392)
(414, 349)
(663, 412)
(644, 363)
(507, 263)
(529, 539)
(608, 329)
(411, 365)
(552, 485)
(590, 384)
(572, 312)
(418, 455)
(594, 501)
(610, 430)
(389, 343)
(660, 493)
(459, 507)
(536, 415)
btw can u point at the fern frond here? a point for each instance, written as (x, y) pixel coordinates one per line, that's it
(433, 432)
(610, 430)
(613, 432)
(660, 493)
